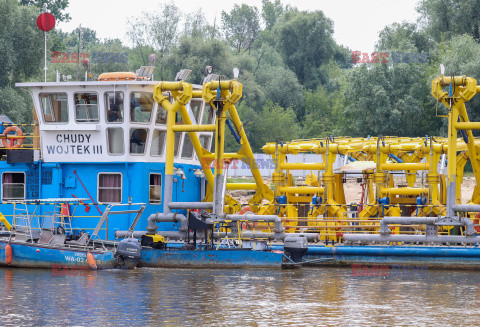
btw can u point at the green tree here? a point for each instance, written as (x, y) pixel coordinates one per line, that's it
(196, 54)
(157, 30)
(390, 100)
(259, 125)
(70, 39)
(319, 117)
(21, 43)
(16, 105)
(196, 25)
(305, 41)
(271, 12)
(445, 18)
(55, 7)
(404, 37)
(460, 56)
(241, 26)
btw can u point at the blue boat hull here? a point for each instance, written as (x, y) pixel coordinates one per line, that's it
(38, 256)
(425, 256)
(222, 258)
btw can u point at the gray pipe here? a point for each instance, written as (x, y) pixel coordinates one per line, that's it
(466, 208)
(167, 193)
(178, 235)
(190, 205)
(404, 221)
(272, 218)
(411, 238)
(166, 218)
(437, 221)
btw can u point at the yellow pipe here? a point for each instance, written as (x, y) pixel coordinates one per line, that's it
(302, 190)
(225, 156)
(181, 98)
(5, 222)
(193, 128)
(472, 151)
(302, 166)
(405, 166)
(404, 191)
(241, 186)
(452, 145)
(170, 141)
(467, 125)
(197, 146)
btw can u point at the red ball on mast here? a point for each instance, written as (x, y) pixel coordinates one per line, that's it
(46, 22)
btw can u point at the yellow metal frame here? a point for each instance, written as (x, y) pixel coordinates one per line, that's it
(230, 93)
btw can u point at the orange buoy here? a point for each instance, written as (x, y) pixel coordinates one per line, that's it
(91, 261)
(14, 142)
(8, 254)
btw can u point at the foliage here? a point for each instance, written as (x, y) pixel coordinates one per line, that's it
(55, 7)
(21, 43)
(158, 30)
(297, 81)
(443, 19)
(387, 100)
(259, 125)
(305, 41)
(404, 37)
(241, 26)
(271, 12)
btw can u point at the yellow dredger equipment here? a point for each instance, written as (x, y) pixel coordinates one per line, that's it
(221, 96)
(319, 204)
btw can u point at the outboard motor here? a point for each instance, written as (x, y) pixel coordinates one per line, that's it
(295, 247)
(129, 252)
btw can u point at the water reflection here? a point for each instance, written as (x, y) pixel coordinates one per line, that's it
(172, 297)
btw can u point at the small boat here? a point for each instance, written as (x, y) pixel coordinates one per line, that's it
(47, 240)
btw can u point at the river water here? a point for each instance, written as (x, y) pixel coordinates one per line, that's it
(248, 297)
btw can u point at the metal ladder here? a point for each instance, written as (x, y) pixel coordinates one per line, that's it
(22, 214)
(61, 220)
(108, 211)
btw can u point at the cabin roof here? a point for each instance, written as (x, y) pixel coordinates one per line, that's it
(92, 83)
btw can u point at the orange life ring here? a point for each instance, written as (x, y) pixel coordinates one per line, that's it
(14, 142)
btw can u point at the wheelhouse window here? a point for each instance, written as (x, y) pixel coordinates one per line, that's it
(115, 140)
(178, 138)
(196, 107)
(54, 107)
(161, 116)
(205, 141)
(13, 186)
(86, 107)
(187, 151)
(138, 140)
(110, 187)
(155, 188)
(114, 107)
(208, 115)
(158, 142)
(141, 106)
